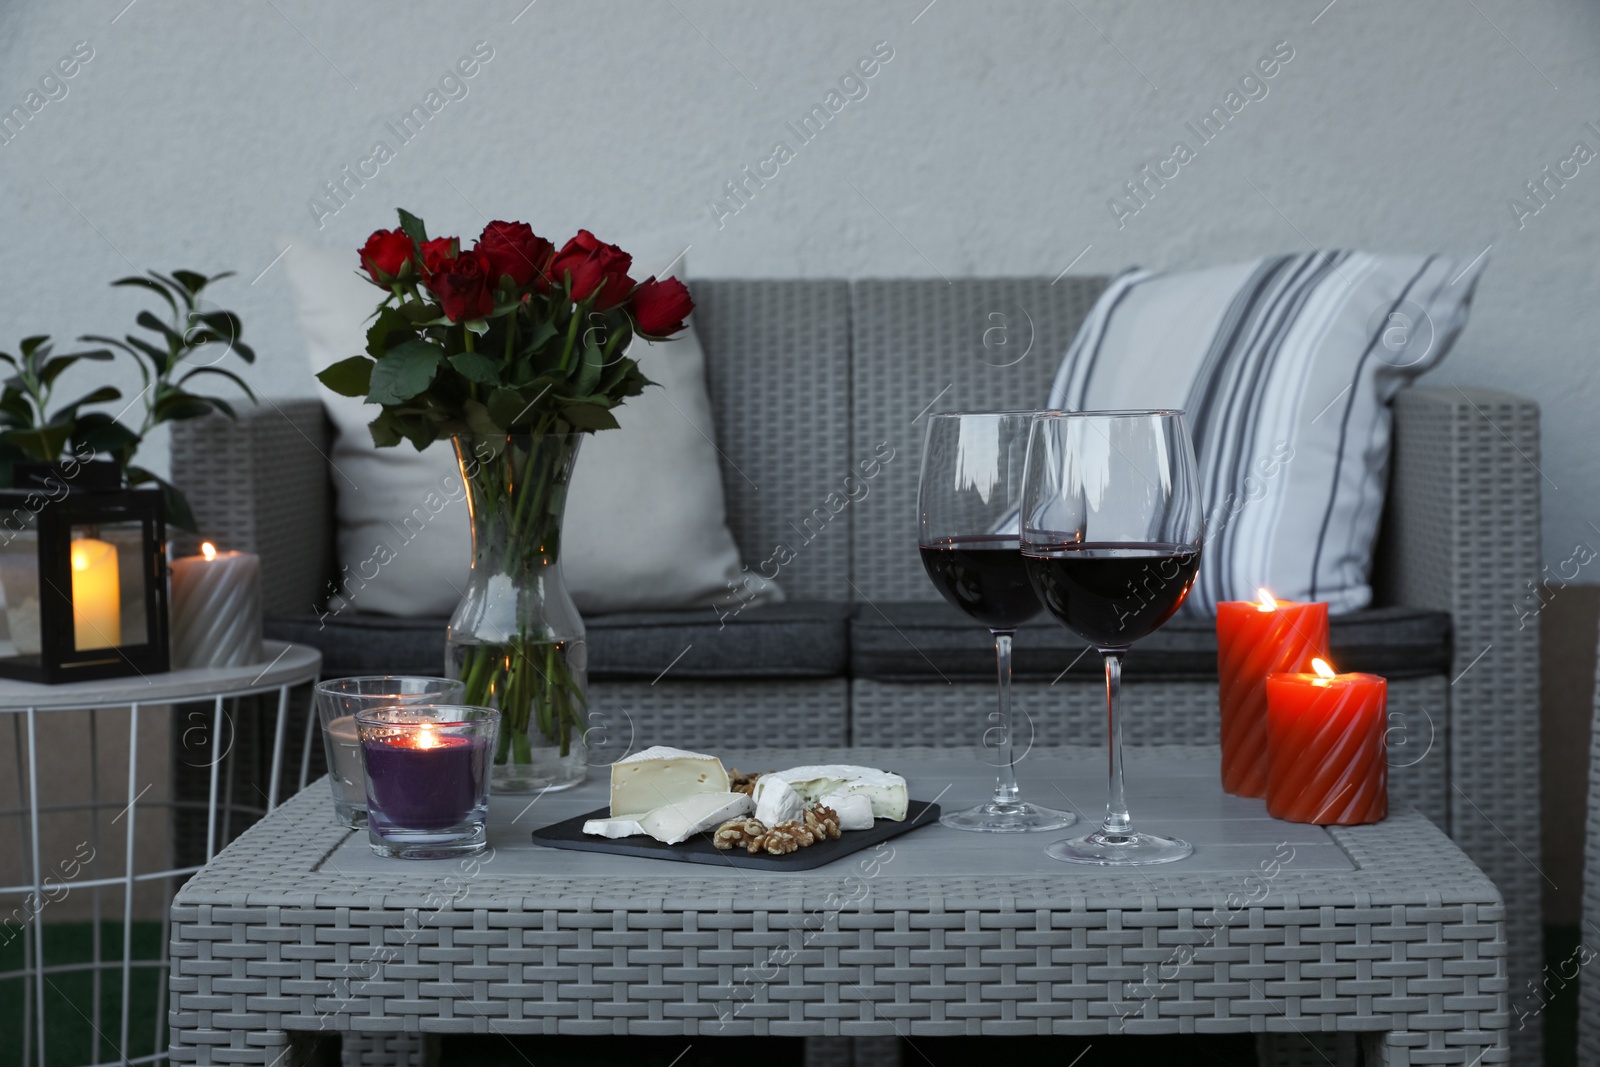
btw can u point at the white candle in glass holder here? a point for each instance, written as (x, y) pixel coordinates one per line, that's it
(216, 609)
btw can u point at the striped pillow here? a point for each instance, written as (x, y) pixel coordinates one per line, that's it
(1286, 366)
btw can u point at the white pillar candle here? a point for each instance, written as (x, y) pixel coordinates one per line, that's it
(216, 609)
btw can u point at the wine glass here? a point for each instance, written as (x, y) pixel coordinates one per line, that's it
(967, 501)
(1111, 541)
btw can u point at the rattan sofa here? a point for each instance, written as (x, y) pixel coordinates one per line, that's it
(807, 378)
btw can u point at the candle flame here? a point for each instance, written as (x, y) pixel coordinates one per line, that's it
(425, 738)
(1267, 603)
(1325, 673)
(209, 551)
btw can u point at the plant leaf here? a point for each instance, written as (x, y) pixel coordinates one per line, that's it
(192, 282)
(589, 417)
(478, 420)
(349, 377)
(235, 379)
(94, 396)
(146, 283)
(389, 321)
(476, 367)
(384, 435)
(178, 513)
(413, 226)
(506, 407)
(407, 370)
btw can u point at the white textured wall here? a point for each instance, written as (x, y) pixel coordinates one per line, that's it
(989, 144)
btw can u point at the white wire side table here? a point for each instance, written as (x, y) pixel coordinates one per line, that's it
(113, 793)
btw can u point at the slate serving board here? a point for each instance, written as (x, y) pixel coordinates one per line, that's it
(568, 833)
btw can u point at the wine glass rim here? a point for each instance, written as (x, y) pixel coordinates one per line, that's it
(1111, 413)
(979, 414)
(462, 715)
(332, 685)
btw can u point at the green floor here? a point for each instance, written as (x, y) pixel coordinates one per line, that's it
(72, 1038)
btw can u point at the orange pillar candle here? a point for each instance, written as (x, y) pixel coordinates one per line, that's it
(1325, 742)
(1255, 639)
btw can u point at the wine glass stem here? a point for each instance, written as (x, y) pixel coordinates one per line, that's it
(1005, 784)
(1118, 821)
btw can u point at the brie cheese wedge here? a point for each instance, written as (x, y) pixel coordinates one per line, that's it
(777, 802)
(613, 828)
(886, 791)
(854, 809)
(682, 819)
(660, 775)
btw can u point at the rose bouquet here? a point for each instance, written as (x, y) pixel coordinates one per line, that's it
(512, 349)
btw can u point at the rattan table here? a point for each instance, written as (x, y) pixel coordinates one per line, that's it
(1388, 931)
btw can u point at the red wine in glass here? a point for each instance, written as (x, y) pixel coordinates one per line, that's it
(1112, 594)
(968, 496)
(984, 576)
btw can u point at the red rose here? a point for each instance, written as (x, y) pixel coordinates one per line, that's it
(386, 254)
(464, 286)
(588, 265)
(660, 307)
(437, 253)
(513, 248)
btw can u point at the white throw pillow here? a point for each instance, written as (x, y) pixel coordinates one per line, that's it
(646, 524)
(1286, 367)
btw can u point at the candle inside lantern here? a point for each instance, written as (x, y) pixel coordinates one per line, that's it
(216, 609)
(96, 595)
(1256, 639)
(1325, 739)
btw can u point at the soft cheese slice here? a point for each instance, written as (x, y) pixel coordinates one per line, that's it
(613, 828)
(777, 802)
(682, 819)
(660, 775)
(854, 809)
(886, 791)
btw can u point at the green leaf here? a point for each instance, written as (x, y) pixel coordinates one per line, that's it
(389, 322)
(178, 406)
(43, 443)
(178, 513)
(541, 335)
(477, 326)
(413, 227)
(97, 432)
(589, 417)
(406, 371)
(150, 322)
(349, 377)
(95, 396)
(192, 282)
(478, 420)
(384, 435)
(593, 362)
(234, 378)
(476, 367)
(506, 407)
(154, 287)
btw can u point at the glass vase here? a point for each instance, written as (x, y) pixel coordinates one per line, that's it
(516, 640)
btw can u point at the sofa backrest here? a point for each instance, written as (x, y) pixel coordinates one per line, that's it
(810, 380)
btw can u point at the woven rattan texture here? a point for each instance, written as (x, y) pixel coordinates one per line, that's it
(711, 716)
(975, 344)
(1466, 541)
(269, 938)
(1589, 932)
(261, 485)
(777, 365)
(1073, 712)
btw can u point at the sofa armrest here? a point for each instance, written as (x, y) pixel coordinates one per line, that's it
(1462, 535)
(261, 485)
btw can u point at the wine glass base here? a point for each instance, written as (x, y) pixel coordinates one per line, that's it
(1130, 849)
(1016, 817)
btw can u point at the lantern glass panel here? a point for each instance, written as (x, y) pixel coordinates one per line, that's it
(108, 585)
(20, 631)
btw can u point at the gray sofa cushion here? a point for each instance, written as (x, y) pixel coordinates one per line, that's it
(798, 639)
(930, 641)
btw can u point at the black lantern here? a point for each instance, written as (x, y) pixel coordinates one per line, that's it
(83, 575)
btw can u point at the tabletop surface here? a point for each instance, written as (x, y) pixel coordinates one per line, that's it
(300, 857)
(282, 663)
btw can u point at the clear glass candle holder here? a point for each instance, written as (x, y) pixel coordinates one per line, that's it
(339, 701)
(427, 771)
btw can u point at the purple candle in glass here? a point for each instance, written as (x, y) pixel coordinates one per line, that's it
(423, 781)
(427, 773)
